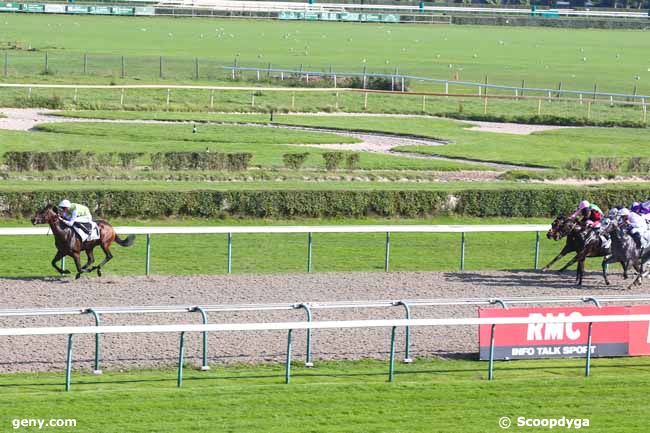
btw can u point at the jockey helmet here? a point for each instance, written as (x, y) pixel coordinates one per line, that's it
(65, 203)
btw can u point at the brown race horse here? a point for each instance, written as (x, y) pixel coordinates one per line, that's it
(68, 243)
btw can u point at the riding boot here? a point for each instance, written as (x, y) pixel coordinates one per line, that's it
(637, 239)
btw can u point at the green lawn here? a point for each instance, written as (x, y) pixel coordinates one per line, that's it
(278, 253)
(550, 148)
(266, 144)
(430, 395)
(541, 56)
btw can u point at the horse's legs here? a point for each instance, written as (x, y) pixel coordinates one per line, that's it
(569, 263)
(580, 272)
(55, 262)
(563, 253)
(606, 260)
(77, 262)
(91, 259)
(109, 256)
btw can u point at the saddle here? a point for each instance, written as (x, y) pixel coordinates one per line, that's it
(86, 231)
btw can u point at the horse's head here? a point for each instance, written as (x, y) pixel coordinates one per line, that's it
(49, 214)
(555, 232)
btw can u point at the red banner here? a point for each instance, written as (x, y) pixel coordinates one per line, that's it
(559, 340)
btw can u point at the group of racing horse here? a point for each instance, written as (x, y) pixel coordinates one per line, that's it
(623, 236)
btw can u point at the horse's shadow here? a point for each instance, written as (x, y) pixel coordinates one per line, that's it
(49, 279)
(533, 279)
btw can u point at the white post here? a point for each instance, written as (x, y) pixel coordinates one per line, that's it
(212, 99)
(403, 89)
(580, 97)
(611, 101)
(549, 96)
(122, 96)
(446, 87)
(479, 90)
(29, 93)
(281, 75)
(258, 75)
(168, 95)
(75, 95)
(335, 81)
(253, 100)
(424, 103)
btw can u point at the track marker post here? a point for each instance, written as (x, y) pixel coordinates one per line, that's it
(147, 260)
(588, 360)
(181, 353)
(287, 370)
(462, 251)
(68, 364)
(391, 362)
(491, 358)
(536, 263)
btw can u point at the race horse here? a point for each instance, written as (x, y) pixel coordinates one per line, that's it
(68, 243)
(581, 240)
(624, 249)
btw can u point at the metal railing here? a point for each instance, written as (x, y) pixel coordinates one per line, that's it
(167, 67)
(310, 230)
(309, 307)
(393, 324)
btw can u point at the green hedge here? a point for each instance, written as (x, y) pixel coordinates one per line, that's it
(287, 204)
(557, 22)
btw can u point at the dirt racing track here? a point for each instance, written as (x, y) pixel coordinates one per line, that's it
(45, 353)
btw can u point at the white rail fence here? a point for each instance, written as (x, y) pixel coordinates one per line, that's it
(393, 324)
(408, 305)
(309, 231)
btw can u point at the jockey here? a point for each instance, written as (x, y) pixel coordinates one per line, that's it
(76, 215)
(635, 223)
(588, 213)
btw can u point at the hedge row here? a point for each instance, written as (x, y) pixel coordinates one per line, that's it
(611, 164)
(558, 22)
(74, 159)
(287, 204)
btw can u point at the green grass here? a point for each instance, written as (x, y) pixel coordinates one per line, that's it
(266, 144)
(550, 148)
(446, 396)
(541, 56)
(282, 253)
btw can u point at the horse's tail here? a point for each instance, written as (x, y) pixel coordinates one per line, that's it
(125, 242)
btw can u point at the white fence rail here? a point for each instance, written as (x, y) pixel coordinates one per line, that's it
(310, 230)
(393, 324)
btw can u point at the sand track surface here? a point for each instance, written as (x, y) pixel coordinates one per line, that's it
(47, 353)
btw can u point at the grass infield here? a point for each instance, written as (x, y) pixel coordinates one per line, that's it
(430, 395)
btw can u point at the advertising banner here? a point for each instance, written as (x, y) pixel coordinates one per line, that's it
(99, 10)
(54, 9)
(560, 340)
(31, 7)
(9, 7)
(145, 11)
(121, 10)
(75, 9)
